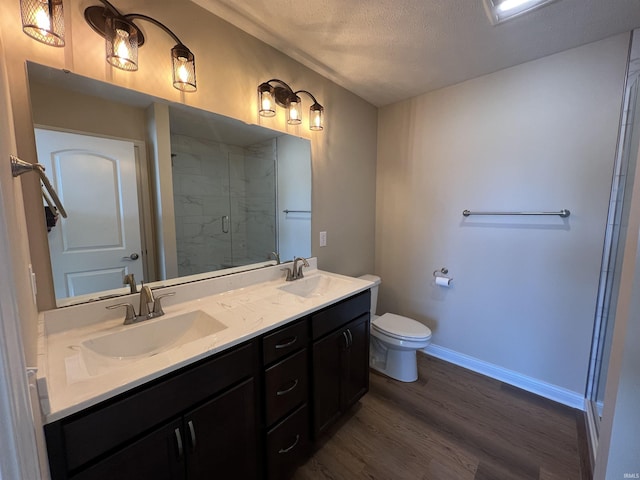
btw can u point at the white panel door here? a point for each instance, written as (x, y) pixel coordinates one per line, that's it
(99, 242)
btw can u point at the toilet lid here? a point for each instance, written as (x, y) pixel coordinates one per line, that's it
(401, 327)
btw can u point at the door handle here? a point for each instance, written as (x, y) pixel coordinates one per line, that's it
(179, 442)
(288, 449)
(346, 339)
(293, 340)
(225, 224)
(350, 337)
(133, 256)
(284, 392)
(192, 431)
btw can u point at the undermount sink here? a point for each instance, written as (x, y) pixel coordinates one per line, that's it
(314, 286)
(153, 336)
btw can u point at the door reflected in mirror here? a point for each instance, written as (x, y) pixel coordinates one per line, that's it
(206, 194)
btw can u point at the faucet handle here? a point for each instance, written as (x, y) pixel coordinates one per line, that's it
(130, 316)
(157, 306)
(275, 256)
(289, 274)
(146, 297)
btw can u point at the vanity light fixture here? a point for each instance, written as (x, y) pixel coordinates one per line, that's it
(500, 11)
(123, 37)
(282, 94)
(43, 20)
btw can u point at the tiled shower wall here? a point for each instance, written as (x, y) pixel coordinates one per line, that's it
(225, 201)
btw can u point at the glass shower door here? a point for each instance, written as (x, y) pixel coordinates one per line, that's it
(622, 187)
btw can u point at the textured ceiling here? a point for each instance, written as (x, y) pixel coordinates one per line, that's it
(389, 50)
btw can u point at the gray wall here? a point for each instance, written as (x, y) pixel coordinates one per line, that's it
(539, 136)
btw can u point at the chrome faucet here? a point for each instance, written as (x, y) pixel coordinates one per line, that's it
(146, 298)
(275, 256)
(131, 281)
(295, 272)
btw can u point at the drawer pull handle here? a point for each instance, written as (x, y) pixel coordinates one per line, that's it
(288, 344)
(192, 431)
(350, 337)
(288, 449)
(284, 392)
(179, 442)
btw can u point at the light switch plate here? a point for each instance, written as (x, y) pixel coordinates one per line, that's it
(323, 239)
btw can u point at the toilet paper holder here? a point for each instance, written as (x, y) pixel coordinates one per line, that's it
(441, 273)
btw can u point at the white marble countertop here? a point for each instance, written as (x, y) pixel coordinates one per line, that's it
(71, 378)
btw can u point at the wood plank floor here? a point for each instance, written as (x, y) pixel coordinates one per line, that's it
(451, 424)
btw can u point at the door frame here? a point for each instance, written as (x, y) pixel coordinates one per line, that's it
(146, 211)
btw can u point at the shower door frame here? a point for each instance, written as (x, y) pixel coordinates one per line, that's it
(612, 249)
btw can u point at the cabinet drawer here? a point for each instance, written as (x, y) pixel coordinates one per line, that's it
(115, 422)
(288, 444)
(285, 386)
(339, 314)
(286, 340)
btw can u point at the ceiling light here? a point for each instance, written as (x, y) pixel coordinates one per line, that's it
(123, 37)
(43, 21)
(500, 11)
(282, 94)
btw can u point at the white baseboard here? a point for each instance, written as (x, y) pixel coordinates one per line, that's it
(547, 390)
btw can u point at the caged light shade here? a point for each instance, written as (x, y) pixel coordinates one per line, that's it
(184, 68)
(316, 117)
(266, 100)
(294, 113)
(121, 43)
(43, 20)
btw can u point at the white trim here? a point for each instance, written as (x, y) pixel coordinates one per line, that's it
(544, 389)
(19, 455)
(593, 422)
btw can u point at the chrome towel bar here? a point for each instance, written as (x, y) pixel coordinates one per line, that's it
(296, 211)
(18, 167)
(562, 213)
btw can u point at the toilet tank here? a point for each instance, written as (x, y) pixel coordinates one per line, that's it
(374, 290)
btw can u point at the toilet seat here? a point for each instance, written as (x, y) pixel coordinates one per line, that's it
(401, 328)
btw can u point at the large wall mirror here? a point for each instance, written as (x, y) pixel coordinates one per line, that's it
(162, 191)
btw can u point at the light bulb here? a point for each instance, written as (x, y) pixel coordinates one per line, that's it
(183, 73)
(43, 21)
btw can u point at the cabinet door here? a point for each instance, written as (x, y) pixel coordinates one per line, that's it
(159, 455)
(356, 367)
(328, 359)
(221, 436)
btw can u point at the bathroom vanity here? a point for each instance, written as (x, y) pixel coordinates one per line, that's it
(245, 401)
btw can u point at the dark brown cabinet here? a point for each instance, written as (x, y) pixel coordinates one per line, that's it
(191, 424)
(286, 393)
(213, 439)
(154, 456)
(340, 360)
(247, 412)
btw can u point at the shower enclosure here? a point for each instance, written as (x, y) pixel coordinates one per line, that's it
(621, 188)
(225, 203)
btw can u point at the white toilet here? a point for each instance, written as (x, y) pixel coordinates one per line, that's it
(394, 341)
